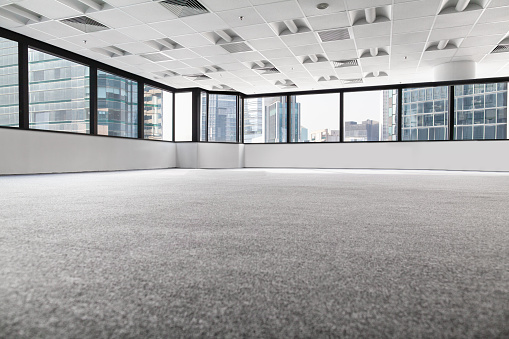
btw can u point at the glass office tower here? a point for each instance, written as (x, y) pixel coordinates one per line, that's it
(222, 115)
(480, 111)
(9, 97)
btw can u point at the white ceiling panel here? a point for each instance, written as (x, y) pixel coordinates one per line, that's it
(51, 9)
(376, 29)
(172, 28)
(412, 25)
(241, 17)
(255, 32)
(330, 21)
(149, 12)
(279, 11)
(309, 7)
(218, 6)
(141, 33)
(115, 18)
(192, 40)
(415, 9)
(205, 22)
(299, 39)
(56, 28)
(267, 43)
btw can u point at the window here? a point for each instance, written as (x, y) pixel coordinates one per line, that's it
(117, 106)
(158, 116)
(371, 116)
(203, 116)
(315, 118)
(265, 120)
(222, 123)
(59, 98)
(183, 116)
(9, 97)
(480, 111)
(426, 113)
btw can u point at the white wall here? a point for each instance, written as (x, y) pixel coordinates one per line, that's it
(446, 155)
(25, 152)
(210, 155)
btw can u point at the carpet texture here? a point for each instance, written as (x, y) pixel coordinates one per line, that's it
(255, 253)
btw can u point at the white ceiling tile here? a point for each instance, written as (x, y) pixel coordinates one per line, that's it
(307, 50)
(192, 40)
(91, 41)
(181, 53)
(149, 12)
(378, 41)
(457, 19)
(56, 28)
(439, 54)
(205, 22)
(267, 43)
(376, 29)
(483, 50)
(309, 7)
(343, 55)
(255, 31)
(123, 3)
(487, 40)
(415, 9)
(495, 15)
(34, 33)
(218, 6)
(449, 33)
(65, 45)
(234, 66)
(407, 49)
(277, 53)
(113, 37)
(222, 59)
(338, 46)
(330, 21)
(172, 28)
(133, 60)
(490, 29)
(362, 4)
(409, 38)
(248, 56)
(136, 48)
(51, 9)
(114, 18)
(301, 39)
(279, 11)
(249, 17)
(141, 33)
(412, 25)
(206, 51)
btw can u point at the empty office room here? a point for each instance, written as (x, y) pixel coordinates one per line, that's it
(254, 169)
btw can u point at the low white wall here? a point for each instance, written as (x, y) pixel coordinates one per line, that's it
(210, 155)
(26, 152)
(447, 155)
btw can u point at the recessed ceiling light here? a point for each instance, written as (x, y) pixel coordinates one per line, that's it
(322, 5)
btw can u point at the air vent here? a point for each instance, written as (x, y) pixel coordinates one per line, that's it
(237, 47)
(344, 63)
(197, 77)
(165, 74)
(334, 35)
(267, 70)
(351, 81)
(85, 24)
(222, 88)
(110, 51)
(501, 49)
(156, 57)
(183, 8)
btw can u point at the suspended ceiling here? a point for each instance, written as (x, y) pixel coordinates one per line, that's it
(259, 46)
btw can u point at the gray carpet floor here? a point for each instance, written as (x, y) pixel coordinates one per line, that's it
(255, 253)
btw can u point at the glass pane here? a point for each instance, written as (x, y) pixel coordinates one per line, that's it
(435, 113)
(203, 117)
(9, 99)
(118, 108)
(265, 120)
(59, 93)
(158, 116)
(184, 116)
(222, 124)
(488, 120)
(372, 116)
(315, 118)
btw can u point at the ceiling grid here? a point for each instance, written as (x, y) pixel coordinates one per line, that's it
(261, 46)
